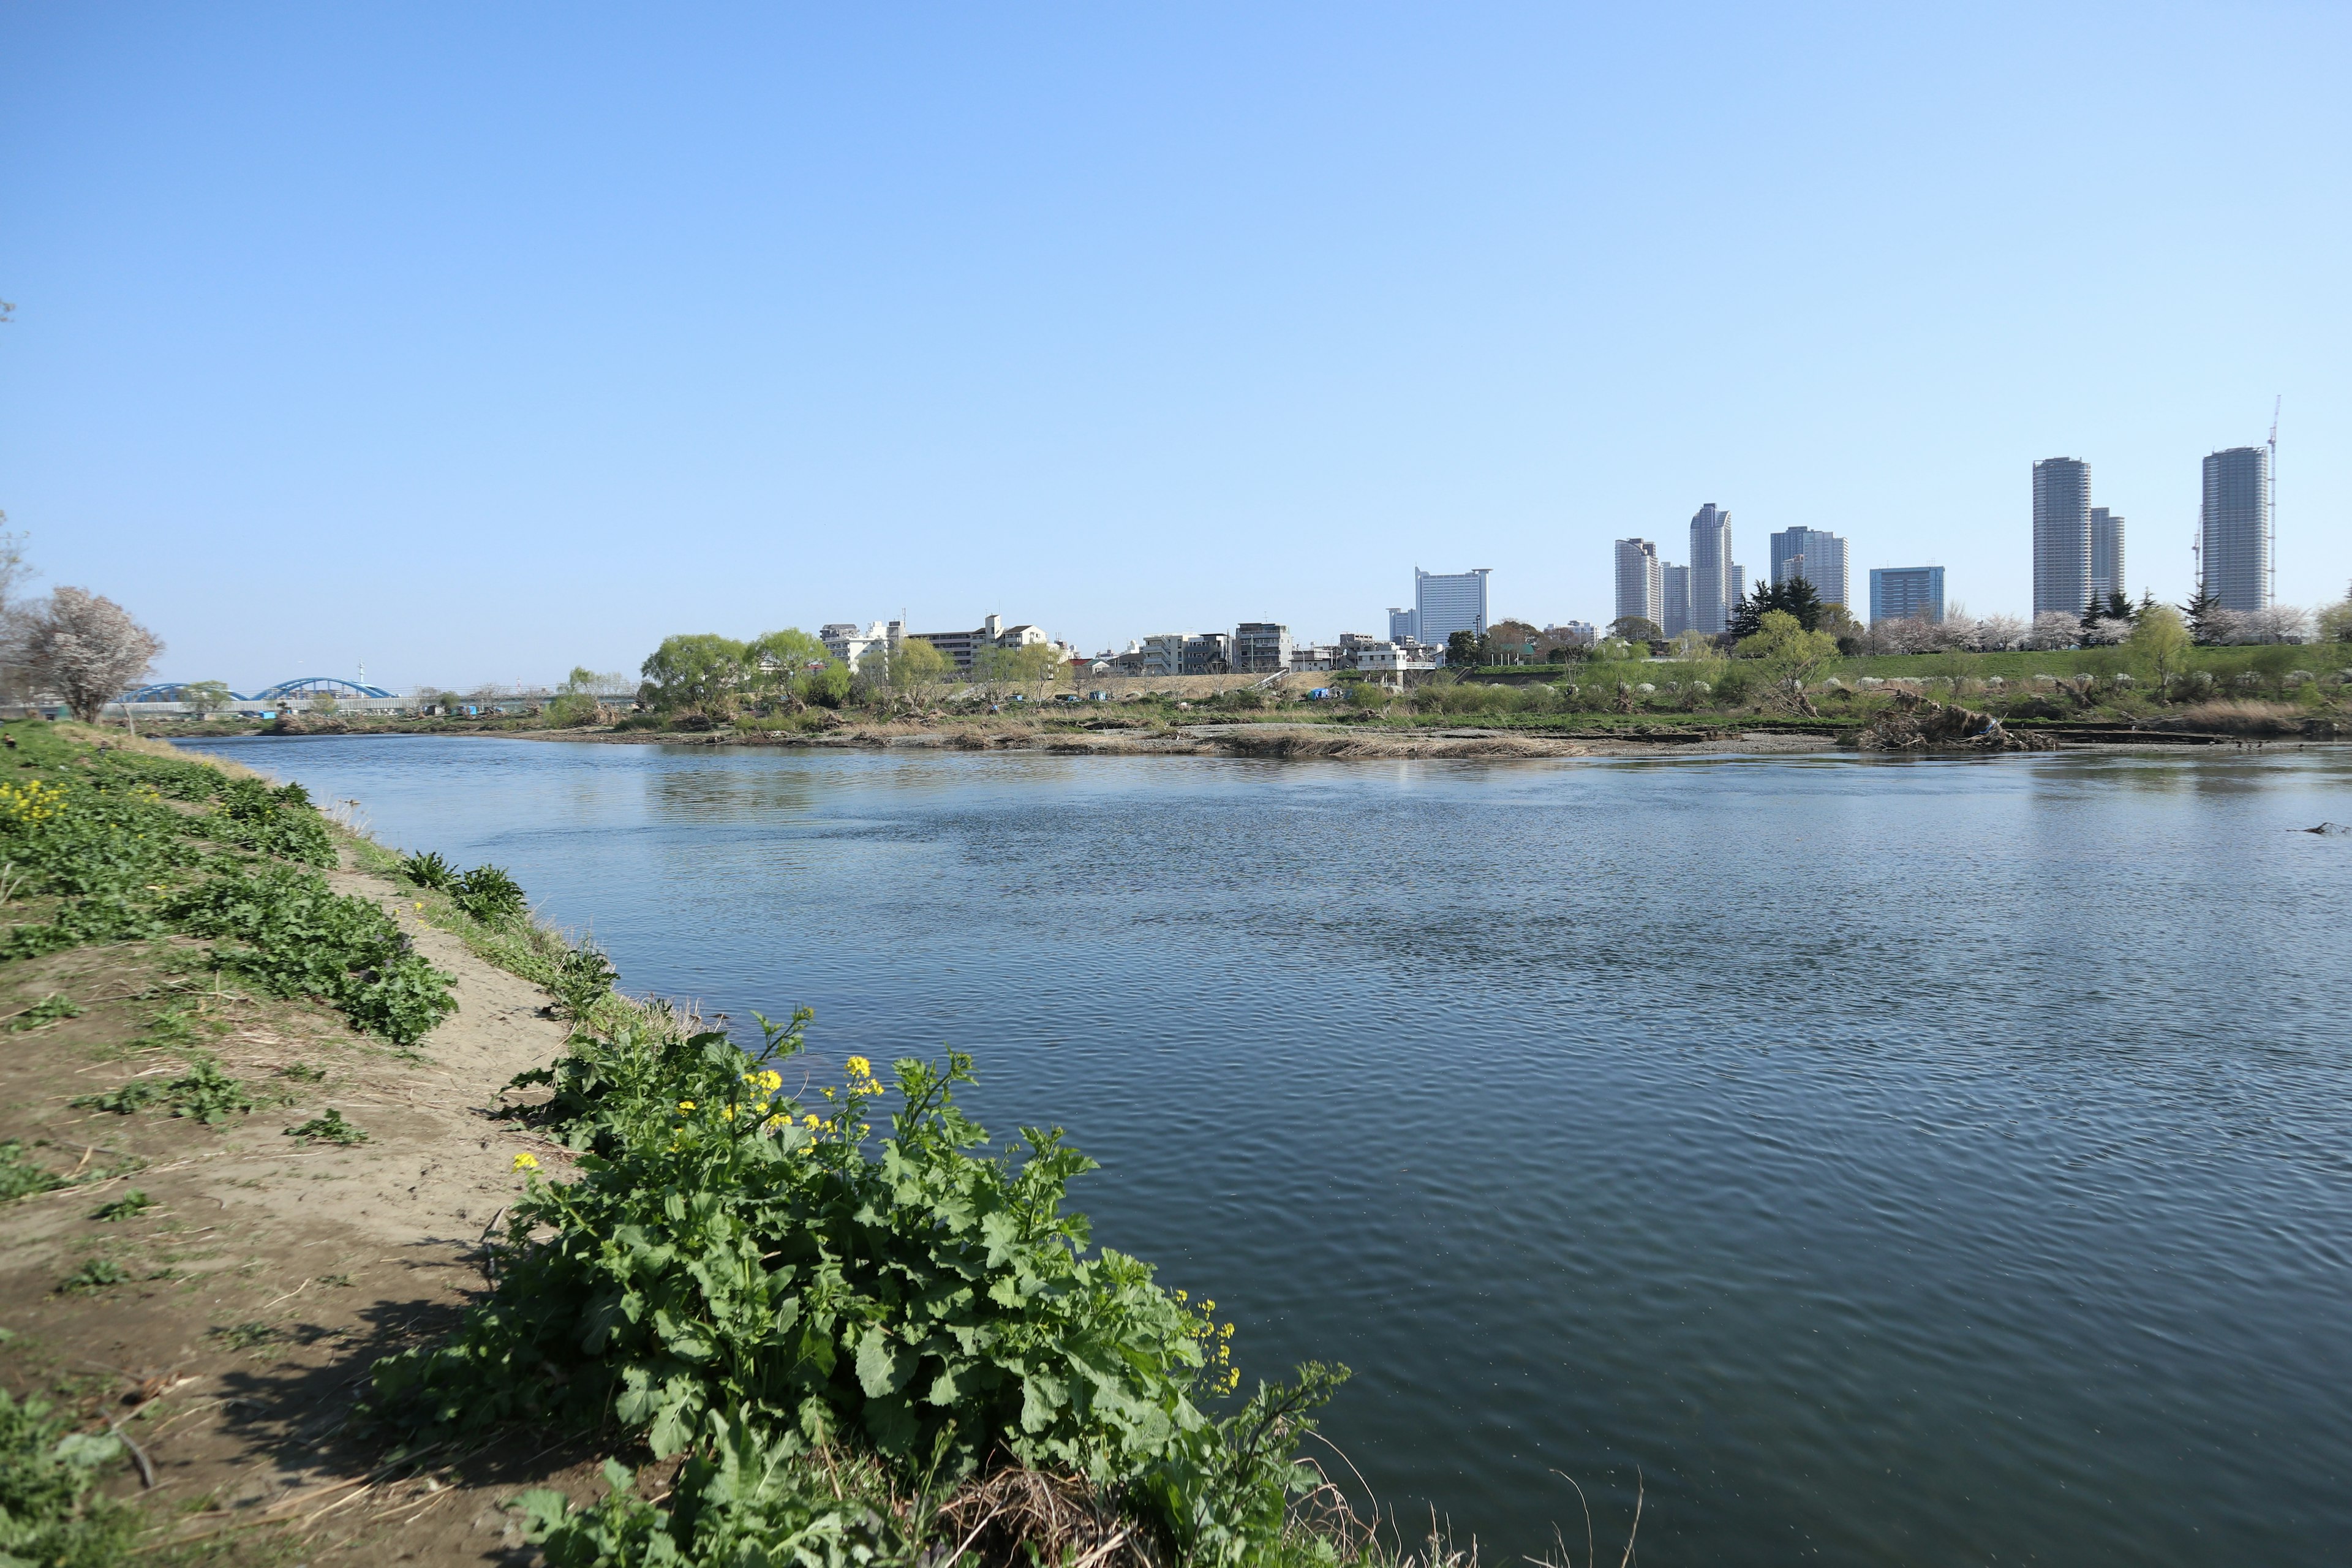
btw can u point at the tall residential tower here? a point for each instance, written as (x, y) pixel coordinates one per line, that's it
(1816, 555)
(2234, 553)
(1711, 592)
(2106, 555)
(1641, 587)
(2062, 535)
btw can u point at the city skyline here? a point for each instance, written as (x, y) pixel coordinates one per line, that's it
(851, 315)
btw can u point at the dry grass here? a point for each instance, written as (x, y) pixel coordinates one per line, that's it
(2237, 716)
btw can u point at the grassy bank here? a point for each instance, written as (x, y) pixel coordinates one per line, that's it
(804, 1318)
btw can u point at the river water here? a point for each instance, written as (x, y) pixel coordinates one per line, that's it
(1860, 1160)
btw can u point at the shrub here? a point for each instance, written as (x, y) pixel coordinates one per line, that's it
(19, 1177)
(299, 937)
(277, 822)
(488, 895)
(427, 871)
(738, 1276)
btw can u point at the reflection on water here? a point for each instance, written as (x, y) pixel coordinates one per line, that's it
(1922, 1160)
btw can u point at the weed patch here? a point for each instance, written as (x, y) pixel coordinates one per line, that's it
(95, 1274)
(20, 1177)
(329, 1128)
(49, 1010)
(51, 1512)
(129, 1206)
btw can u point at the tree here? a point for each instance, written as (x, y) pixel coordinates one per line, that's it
(698, 673)
(1997, 634)
(1636, 629)
(2053, 629)
(2160, 641)
(1462, 649)
(2113, 607)
(87, 650)
(1031, 664)
(1790, 657)
(1795, 597)
(206, 696)
(2336, 620)
(2205, 617)
(917, 670)
(829, 687)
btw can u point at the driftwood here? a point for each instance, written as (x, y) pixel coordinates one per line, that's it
(1913, 725)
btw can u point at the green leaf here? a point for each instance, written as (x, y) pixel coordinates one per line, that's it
(883, 1367)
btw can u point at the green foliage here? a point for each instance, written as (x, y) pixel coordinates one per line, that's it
(828, 688)
(20, 1177)
(488, 895)
(51, 1512)
(297, 936)
(249, 1335)
(1795, 597)
(572, 710)
(95, 1274)
(129, 1206)
(47, 1010)
(428, 870)
(277, 822)
(329, 1128)
(303, 1073)
(739, 1275)
(206, 1094)
(584, 978)
(745, 1503)
(699, 674)
(135, 1096)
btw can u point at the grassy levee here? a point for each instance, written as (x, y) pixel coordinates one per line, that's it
(818, 1323)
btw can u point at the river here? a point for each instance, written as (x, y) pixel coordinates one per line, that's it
(1863, 1161)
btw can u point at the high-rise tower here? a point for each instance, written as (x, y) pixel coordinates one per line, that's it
(2106, 555)
(1710, 570)
(1817, 556)
(2236, 544)
(2062, 535)
(1639, 585)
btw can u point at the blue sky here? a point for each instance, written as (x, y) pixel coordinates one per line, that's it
(474, 343)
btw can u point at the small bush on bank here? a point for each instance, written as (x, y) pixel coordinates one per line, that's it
(752, 1281)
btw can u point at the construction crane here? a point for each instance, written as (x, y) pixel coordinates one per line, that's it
(2270, 596)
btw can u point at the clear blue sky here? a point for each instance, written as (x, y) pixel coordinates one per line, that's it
(476, 341)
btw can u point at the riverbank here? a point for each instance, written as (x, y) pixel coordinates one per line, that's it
(349, 1213)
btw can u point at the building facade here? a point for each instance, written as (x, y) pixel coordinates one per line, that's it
(848, 642)
(1711, 570)
(1673, 616)
(1446, 603)
(1261, 648)
(1641, 585)
(1818, 557)
(961, 646)
(2106, 555)
(1211, 653)
(1907, 593)
(1403, 626)
(2235, 550)
(1163, 654)
(2062, 535)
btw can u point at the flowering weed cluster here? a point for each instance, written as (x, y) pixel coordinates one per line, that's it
(752, 1280)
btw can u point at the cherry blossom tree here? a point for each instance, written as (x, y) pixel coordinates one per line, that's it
(87, 650)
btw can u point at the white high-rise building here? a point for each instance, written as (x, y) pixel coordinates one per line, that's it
(2235, 551)
(1710, 570)
(1816, 555)
(1444, 603)
(2106, 555)
(1641, 586)
(2062, 535)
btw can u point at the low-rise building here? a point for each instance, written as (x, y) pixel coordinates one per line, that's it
(960, 648)
(1163, 654)
(1394, 660)
(848, 642)
(1261, 648)
(1211, 653)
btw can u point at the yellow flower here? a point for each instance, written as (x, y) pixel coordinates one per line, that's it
(525, 1163)
(859, 1067)
(771, 1080)
(727, 1114)
(686, 1105)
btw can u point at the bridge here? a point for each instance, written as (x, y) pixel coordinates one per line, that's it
(303, 686)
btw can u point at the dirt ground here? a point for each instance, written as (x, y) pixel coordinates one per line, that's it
(268, 1271)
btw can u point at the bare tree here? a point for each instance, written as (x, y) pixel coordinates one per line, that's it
(87, 650)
